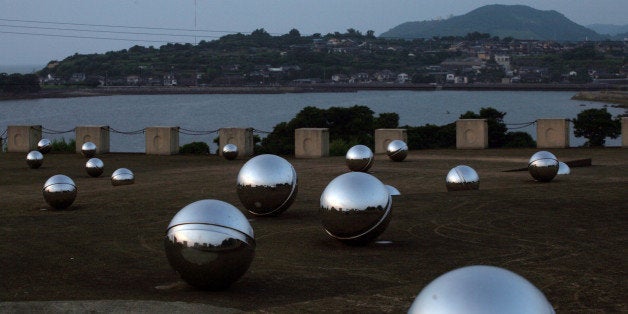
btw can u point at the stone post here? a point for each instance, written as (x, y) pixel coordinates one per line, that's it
(552, 133)
(240, 137)
(311, 142)
(23, 138)
(384, 136)
(471, 134)
(97, 134)
(162, 140)
(624, 132)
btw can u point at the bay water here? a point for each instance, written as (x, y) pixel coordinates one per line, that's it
(200, 116)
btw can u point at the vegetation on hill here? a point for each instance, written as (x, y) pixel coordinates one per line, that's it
(517, 21)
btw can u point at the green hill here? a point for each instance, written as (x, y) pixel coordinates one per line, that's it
(517, 21)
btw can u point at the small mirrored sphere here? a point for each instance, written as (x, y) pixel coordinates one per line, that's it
(94, 167)
(543, 166)
(59, 191)
(44, 146)
(34, 159)
(480, 289)
(122, 176)
(230, 151)
(359, 158)
(355, 208)
(210, 243)
(267, 185)
(563, 168)
(462, 177)
(392, 190)
(88, 149)
(397, 150)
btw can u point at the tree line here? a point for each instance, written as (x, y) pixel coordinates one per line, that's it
(16, 83)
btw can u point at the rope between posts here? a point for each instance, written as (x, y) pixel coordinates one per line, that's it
(521, 125)
(260, 131)
(50, 131)
(140, 131)
(196, 132)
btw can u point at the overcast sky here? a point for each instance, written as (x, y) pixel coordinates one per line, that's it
(23, 21)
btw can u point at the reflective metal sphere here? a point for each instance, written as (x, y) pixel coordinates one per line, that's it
(210, 243)
(122, 176)
(462, 178)
(543, 166)
(230, 151)
(44, 146)
(356, 208)
(480, 290)
(397, 150)
(88, 149)
(563, 168)
(94, 167)
(267, 185)
(59, 191)
(359, 158)
(34, 159)
(392, 190)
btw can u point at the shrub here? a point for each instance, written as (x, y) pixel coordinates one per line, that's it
(61, 146)
(196, 148)
(339, 147)
(596, 125)
(519, 139)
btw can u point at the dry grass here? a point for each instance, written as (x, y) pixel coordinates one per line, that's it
(568, 237)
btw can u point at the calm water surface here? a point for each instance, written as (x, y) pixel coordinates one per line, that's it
(263, 112)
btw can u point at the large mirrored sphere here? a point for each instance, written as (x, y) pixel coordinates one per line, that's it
(267, 185)
(397, 150)
(359, 158)
(563, 168)
(34, 159)
(210, 243)
(94, 167)
(122, 176)
(88, 149)
(462, 177)
(44, 146)
(356, 208)
(59, 191)
(543, 166)
(480, 289)
(230, 151)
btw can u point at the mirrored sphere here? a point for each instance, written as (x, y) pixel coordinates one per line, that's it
(462, 177)
(88, 149)
(480, 289)
(122, 176)
(44, 146)
(210, 243)
(356, 208)
(94, 167)
(397, 150)
(34, 159)
(392, 190)
(230, 151)
(59, 191)
(543, 166)
(267, 185)
(563, 168)
(359, 158)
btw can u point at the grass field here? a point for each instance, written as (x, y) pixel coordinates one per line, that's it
(568, 237)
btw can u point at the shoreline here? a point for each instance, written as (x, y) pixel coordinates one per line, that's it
(589, 92)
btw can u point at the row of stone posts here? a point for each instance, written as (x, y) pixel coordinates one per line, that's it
(309, 142)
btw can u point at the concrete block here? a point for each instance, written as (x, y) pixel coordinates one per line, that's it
(240, 137)
(162, 140)
(97, 134)
(384, 136)
(624, 132)
(552, 133)
(311, 142)
(471, 134)
(23, 138)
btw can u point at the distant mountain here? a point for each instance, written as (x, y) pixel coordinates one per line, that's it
(609, 29)
(517, 21)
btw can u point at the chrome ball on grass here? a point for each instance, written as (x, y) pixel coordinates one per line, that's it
(563, 168)
(210, 243)
(267, 185)
(94, 167)
(122, 176)
(397, 150)
(462, 177)
(88, 149)
(230, 151)
(543, 166)
(356, 208)
(34, 159)
(359, 158)
(44, 146)
(59, 191)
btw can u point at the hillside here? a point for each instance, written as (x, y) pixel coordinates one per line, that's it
(610, 29)
(517, 21)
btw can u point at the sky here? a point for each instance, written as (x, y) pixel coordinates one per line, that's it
(33, 32)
